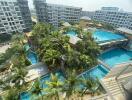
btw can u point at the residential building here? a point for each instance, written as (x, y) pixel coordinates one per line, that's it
(114, 16)
(89, 14)
(54, 14)
(14, 16)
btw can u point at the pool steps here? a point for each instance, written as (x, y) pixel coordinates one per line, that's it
(114, 88)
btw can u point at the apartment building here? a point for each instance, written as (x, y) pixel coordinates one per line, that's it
(14, 16)
(114, 16)
(89, 14)
(54, 14)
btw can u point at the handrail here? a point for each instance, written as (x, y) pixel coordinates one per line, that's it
(124, 69)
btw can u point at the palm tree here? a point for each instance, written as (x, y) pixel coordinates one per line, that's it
(91, 85)
(4, 85)
(18, 77)
(54, 86)
(37, 88)
(12, 94)
(71, 83)
(51, 58)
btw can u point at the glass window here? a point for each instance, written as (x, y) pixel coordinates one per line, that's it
(4, 8)
(2, 3)
(8, 9)
(3, 18)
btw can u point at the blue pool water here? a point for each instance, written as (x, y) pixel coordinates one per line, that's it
(116, 56)
(102, 36)
(32, 57)
(97, 72)
(71, 33)
(28, 96)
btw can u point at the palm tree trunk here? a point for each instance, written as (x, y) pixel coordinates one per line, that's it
(42, 95)
(57, 96)
(84, 92)
(62, 67)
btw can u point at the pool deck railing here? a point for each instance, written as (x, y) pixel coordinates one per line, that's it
(104, 64)
(111, 41)
(114, 84)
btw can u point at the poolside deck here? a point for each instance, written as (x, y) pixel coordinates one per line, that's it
(4, 48)
(113, 80)
(36, 71)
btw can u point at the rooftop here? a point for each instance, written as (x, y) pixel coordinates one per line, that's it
(124, 30)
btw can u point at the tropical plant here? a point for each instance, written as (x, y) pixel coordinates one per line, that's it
(18, 77)
(4, 85)
(54, 87)
(12, 94)
(37, 89)
(71, 83)
(51, 57)
(91, 85)
(5, 37)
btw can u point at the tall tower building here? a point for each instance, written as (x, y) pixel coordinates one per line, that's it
(54, 14)
(14, 16)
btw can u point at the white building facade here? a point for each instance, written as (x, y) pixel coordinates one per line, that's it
(54, 14)
(14, 16)
(113, 16)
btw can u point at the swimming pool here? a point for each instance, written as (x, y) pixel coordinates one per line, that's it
(71, 33)
(105, 36)
(32, 57)
(116, 56)
(97, 72)
(101, 36)
(28, 95)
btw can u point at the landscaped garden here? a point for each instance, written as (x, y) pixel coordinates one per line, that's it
(53, 49)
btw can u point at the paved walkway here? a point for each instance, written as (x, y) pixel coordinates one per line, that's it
(4, 48)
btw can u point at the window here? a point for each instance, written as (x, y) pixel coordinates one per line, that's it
(12, 28)
(19, 14)
(1, 13)
(11, 19)
(5, 23)
(4, 8)
(10, 23)
(2, 3)
(15, 17)
(13, 23)
(6, 4)
(8, 19)
(9, 14)
(7, 9)
(6, 14)
(21, 22)
(17, 9)
(3, 18)
(20, 18)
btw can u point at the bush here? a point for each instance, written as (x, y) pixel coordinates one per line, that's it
(5, 37)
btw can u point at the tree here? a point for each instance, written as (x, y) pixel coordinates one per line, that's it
(4, 85)
(52, 57)
(91, 85)
(37, 88)
(5, 37)
(12, 94)
(88, 48)
(18, 77)
(54, 86)
(71, 83)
